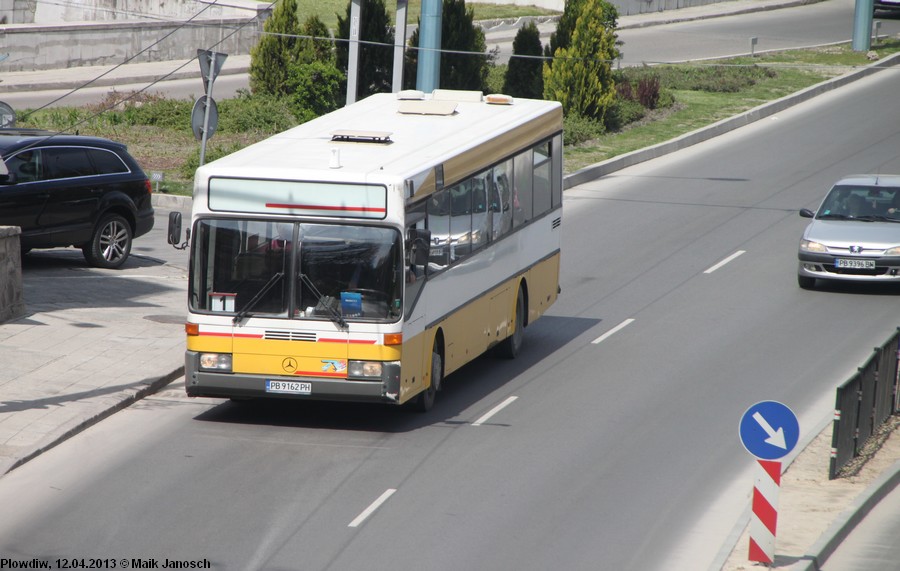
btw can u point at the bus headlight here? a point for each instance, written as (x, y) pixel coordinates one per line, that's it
(364, 369)
(215, 362)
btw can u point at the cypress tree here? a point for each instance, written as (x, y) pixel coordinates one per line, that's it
(524, 76)
(581, 75)
(269, 58)
(376, 59)
(458, 34)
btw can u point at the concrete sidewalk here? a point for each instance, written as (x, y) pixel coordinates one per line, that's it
(94, 341)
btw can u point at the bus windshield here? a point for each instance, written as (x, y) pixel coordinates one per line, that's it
(297, 270)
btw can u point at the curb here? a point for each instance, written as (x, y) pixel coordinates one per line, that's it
(142, 391)
(705, 133)
(850, 518)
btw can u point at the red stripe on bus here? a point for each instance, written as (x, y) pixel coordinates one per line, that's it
(362, 341)
(217, 334)
(317, 207)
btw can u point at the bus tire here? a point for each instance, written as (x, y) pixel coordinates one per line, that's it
(512, 345)
(425, 400)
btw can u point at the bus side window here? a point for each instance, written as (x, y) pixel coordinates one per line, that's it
(523, 188)
(501, 208)
(460, 220)
(542, 198)
(439, 224)
(481, 218)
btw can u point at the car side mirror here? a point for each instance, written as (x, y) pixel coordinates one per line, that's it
(807, 213)
(8, 179)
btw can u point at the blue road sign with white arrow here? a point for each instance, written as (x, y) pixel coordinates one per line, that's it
(769, 430)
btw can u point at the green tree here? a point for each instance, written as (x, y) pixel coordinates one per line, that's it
(524, 76)
(315, 89)
(581, 76)
(376, 57)
(278, 46)
(465, 63)
(312, 49)
(562, 37)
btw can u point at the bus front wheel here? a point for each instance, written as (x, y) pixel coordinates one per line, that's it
(425, 400)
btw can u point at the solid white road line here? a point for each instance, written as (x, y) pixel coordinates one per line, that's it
(612, 331)
(494, 411)
(371, 509)
(725, 261)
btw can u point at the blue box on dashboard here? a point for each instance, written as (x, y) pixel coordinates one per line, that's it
(351, 304)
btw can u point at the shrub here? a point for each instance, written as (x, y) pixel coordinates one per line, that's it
(578, 129)
(213, 152)
(622, 112)
(648, 91)
(257, 113)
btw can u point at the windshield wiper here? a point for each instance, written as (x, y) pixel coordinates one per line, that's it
(255, 299)
(334, 313)
(833, 216)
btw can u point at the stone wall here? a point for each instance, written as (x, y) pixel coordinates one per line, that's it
(12, 295)
(35, 47)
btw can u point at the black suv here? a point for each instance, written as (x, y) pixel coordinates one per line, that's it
(72, 190)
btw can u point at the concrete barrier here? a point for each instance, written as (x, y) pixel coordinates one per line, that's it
(75, 44)
(12, 295)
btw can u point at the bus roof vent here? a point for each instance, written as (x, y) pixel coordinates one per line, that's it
(354, 136)
(456, 95)
(413, 107)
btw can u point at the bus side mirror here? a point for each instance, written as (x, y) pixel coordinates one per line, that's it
(174, 228)
(175, 232)
(418, 244)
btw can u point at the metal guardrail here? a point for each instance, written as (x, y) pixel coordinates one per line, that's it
(864, 402)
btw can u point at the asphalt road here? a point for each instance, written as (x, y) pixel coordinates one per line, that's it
(621, 454)
(802, 26)
(787, 28)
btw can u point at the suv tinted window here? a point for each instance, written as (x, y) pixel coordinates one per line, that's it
(66, 162)
(107, 162)
(26, 166)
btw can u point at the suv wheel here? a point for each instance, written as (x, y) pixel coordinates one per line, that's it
(110, 244)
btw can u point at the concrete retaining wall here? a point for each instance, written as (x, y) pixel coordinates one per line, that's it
(75, 44)
(12, 295)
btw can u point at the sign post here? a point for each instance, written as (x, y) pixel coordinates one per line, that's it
(205, 111)
(769, 431)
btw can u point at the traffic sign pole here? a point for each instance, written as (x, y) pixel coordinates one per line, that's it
(766, 488)
(769, 430)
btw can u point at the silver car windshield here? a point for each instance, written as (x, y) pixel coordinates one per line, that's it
(866, 203)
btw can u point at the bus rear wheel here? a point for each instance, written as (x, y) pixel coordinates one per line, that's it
(512, 345)
(425, 400)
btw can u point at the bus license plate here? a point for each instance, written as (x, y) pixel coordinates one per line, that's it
(855, 264)
(289, 387)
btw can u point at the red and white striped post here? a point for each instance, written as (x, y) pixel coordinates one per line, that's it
(766, 486)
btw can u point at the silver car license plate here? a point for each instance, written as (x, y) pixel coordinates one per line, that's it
(855, 264)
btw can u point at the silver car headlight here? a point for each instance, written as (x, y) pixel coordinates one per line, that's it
(810, 246)
(895, 251)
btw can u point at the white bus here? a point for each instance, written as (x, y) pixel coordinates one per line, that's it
(367, 254)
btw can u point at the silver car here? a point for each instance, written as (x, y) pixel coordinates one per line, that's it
(855, 233)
